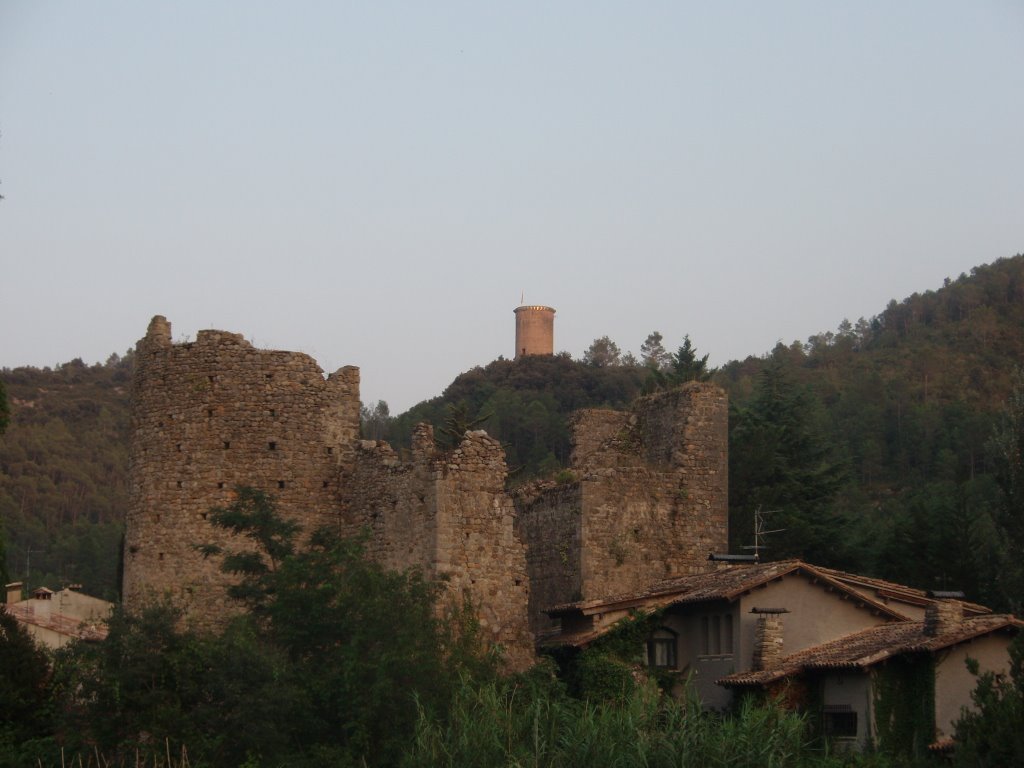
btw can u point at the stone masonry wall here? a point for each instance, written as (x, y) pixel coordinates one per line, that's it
(652, 499)
(593, 429)
(548, 522)
(647, 497)
(448, 514)
(208, 416)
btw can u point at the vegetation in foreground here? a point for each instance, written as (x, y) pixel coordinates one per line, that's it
(338, 662)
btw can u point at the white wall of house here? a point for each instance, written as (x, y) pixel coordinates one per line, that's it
(815, 615)
(954, 684)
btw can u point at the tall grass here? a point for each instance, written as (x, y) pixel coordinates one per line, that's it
(514, 727)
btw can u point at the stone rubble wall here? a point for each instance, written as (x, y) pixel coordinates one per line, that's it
(650, 500)
(211, 415)
(548, 522)
(394, 503)
(447, 513)
(599, 438)
(645, 498)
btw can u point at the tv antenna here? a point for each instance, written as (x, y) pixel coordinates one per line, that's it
(760, 532)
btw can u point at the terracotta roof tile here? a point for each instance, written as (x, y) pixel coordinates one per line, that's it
(64, 625)
(889, 589)
(726, 583)
(870, 646)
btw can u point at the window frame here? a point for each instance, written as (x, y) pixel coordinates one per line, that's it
(667, 641)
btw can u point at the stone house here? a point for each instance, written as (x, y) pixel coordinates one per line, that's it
(821, 638)
(887, 677)
(54, 619)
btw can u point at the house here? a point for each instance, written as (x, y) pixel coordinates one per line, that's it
(826, 638)
(875, 681)
(54, 619)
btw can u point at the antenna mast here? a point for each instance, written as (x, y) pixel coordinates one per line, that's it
(760, 532)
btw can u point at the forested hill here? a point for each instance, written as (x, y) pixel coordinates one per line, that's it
(525, 404)
(63, 467)
(872, 446)
(882, 444)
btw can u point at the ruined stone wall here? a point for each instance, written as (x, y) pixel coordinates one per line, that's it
(595, 429)
(548, 518)
(448, 514)
(210, 415)
(652, 499)
(687, 429)
(396, 503)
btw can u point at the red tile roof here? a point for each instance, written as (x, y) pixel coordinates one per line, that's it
(56, 622)
(861, 650)
(726, 583)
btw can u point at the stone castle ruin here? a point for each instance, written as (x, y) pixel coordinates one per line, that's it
(645, 497)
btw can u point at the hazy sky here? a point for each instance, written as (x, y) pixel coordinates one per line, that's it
(377, 183)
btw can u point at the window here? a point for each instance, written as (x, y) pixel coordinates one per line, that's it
(716, 635)
(839, 721)
(661, 649)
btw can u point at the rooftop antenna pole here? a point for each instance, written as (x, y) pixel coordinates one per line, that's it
(28, 563)
(760, 532)
(522, 298)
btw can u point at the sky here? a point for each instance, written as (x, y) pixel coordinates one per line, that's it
(381, 183)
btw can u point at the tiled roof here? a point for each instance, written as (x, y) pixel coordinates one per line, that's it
(726, 583)
(64, 625)
(870, 646)
(888, 589)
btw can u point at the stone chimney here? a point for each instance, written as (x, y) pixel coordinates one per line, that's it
(767, 641)
(942, 617)
(13, 592)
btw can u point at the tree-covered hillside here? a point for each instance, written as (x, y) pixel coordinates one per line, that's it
(881, 447)
(525, 404)
(873, 445)
(63, 466)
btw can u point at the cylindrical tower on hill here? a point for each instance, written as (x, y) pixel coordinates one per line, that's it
(535, 330)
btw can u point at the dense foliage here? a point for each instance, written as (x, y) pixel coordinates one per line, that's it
(63, 473)
(338, 662)
(332, 664)
(24, 691)
(873, 446)
(521, 723)
(525, 403)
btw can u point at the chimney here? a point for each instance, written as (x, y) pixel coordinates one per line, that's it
(13, 592)
(767, 637)
(943, 617)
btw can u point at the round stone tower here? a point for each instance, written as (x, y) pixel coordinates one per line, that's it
(210, 415)
(535, 330)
